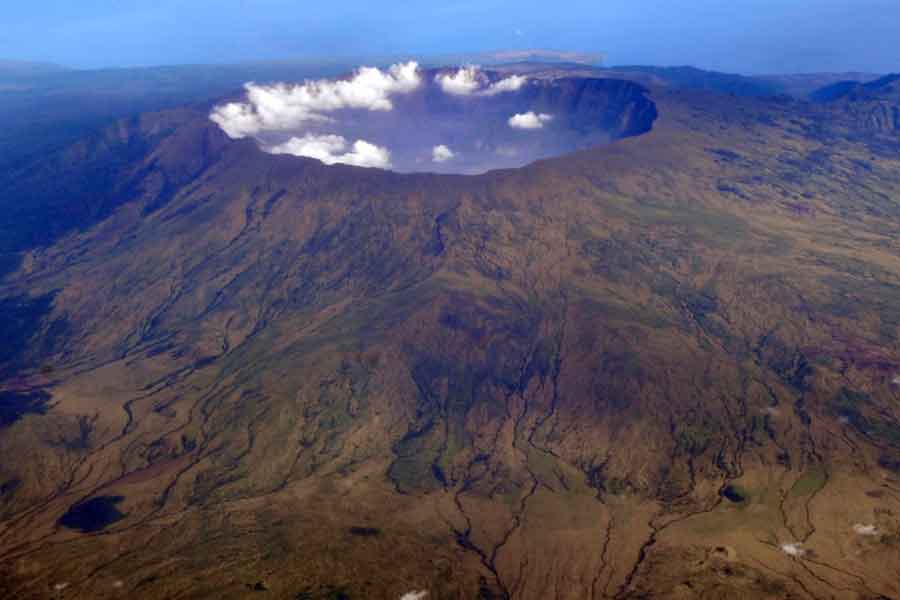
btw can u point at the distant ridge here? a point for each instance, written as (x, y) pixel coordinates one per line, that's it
(692, 77)
(846, 89)
(26, 67)
(801, 85)
(535, 55)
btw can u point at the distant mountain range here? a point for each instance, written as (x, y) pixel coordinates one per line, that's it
(24, 68)
(512, 56)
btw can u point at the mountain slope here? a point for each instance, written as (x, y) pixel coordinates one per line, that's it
(634, 371)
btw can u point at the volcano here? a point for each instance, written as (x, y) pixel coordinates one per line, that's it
(661, 361)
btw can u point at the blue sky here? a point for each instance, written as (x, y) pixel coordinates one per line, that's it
(751, 36)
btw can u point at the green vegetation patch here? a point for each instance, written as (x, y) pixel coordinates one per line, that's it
(694, 438)
(812, 481)
(615, 486)
(415, 469)
(715, 228)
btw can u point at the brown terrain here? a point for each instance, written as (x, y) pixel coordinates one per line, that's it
(668, 367)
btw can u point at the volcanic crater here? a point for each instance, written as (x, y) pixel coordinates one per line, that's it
(464, 120)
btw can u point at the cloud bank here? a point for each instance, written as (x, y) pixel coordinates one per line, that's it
(441, 153)
(470, 80)
(282, 107)
(529, 120)
(332, 149)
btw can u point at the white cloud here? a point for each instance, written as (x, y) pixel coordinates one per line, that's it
(441, 153)
(868, 530)
(470, 80)
(464, 82)
(529, 120)
(331, 149)
(282, 107)
(414, 595)
(512, 83)
(795, 549)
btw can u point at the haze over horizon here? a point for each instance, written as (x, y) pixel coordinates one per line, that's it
(749, 36)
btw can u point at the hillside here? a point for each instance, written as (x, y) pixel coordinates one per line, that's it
(665, 367)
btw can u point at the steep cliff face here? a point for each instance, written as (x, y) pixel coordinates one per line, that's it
(881, 116)
(619, 108)
(591, 377)
(874, 105)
